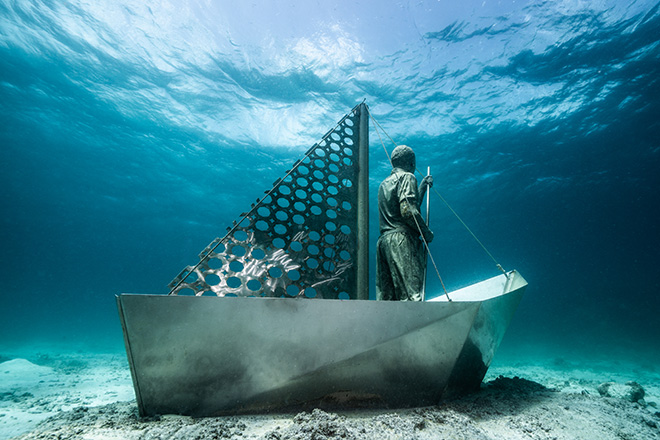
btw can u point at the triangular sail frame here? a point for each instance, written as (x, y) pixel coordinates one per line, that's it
(307, 237)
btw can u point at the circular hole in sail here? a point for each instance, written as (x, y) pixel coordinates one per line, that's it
(333, 179)
(296, 246)
(348, 131)
(215, 263)
(261, 225)
(318, 186)
(331, 213)
(301, 194)
(334, 157)
(282, 216)
(333, 167)
(212, 279)
(318, 163)
(284, 203)
(316, 210)
(280, 229)
(348, 141)
(299, 206)
(301, 181)
(348, 161)
(292, 290)
(302, 169)
(335, 136)
(298, 219)
(236, 266)
(316, 198)
(332, 190)
(191, 278)
(319, 152)
(330, 226)
(313, 249)
(310, 292)
(239, 251)
(312, 263)
(330, 239)
(318, 174)
(332, 201)
(279, 243)
(263, 211)
(348, 151)
(233, 282)
(240, 235)
(345, 229)
(343, 295)
(329, 266)
(335, 146)
(346, 205)
(314, 236)
(344, 255)
(283, 189)
(258, 254)
(347, 183)
(329, 252)
(275, 272)
(349, 122)
(294, 275)
(254, 285)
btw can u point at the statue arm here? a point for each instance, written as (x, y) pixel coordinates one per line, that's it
(427, 182)
(412, 216)
(409, 198)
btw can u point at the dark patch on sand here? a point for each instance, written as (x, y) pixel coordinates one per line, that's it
(15, 396)
(61, 364)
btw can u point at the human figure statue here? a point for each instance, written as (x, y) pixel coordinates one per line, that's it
(400, 252)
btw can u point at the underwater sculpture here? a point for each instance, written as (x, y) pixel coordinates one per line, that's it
(399, 253)
(278, 331)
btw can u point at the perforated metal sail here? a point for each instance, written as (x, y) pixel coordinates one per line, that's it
(301, 239)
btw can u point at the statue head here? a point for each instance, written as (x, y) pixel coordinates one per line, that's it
(404, 157)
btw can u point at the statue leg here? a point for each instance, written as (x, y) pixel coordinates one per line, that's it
(409, 270)
(384, 286)
(399, 272)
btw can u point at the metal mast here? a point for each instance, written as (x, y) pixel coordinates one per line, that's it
(363, 205)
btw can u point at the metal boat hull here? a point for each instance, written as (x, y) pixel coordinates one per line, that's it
(210, 355)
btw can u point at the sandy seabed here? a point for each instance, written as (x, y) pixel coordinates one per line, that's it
(90, 396)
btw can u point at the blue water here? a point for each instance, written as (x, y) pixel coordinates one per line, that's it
(132, 133)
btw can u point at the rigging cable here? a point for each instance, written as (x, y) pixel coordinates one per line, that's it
(498, 265)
